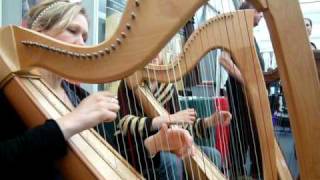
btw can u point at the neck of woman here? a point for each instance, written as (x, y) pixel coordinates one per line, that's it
(53, 80)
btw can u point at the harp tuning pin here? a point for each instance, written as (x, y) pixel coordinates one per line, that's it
(113, 47)
(101, 53)
(70, 53)
(63, 52)
(128, 26)
(107, 50)
(53, 49)
(133, 16)
(82, 56)
(45, 47)
(119, 41)
(77, 55)
(25, 43)
(90, 56)
(96, 55)
(58, 50)
(137, 3)
(123, 35)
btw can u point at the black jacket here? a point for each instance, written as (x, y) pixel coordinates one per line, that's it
(28, 154)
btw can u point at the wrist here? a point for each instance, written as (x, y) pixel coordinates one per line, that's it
(158, 121)
(210, 121)
(206, 122)
(66, 127)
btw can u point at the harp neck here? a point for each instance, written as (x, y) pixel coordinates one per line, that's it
(131, 46)
(201, 42)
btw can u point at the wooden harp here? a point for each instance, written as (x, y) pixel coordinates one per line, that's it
(195, 48)
(22, 49)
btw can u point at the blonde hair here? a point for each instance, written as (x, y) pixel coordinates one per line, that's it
(53, 13)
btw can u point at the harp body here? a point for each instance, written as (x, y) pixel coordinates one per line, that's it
(139, 39)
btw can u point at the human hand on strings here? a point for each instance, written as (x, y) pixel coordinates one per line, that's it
(175, 140)
(218, 117)
(187, 116)
(96, 108)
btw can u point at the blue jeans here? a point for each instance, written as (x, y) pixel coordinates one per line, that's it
(213, 154)
(169, 167)
(172, 168)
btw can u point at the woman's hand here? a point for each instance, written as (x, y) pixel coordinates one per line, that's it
(219, 117)
(96, 108)
(185, 116)
(175, 140)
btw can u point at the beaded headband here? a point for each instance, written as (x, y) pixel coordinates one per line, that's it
(44, 12)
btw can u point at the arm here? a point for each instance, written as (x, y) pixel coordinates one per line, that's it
(226, 61)
(187, 116)
(218, 117)
(200, 127)
(45, 142)
(131, 117)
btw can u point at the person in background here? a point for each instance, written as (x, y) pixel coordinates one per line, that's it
(308, 24)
